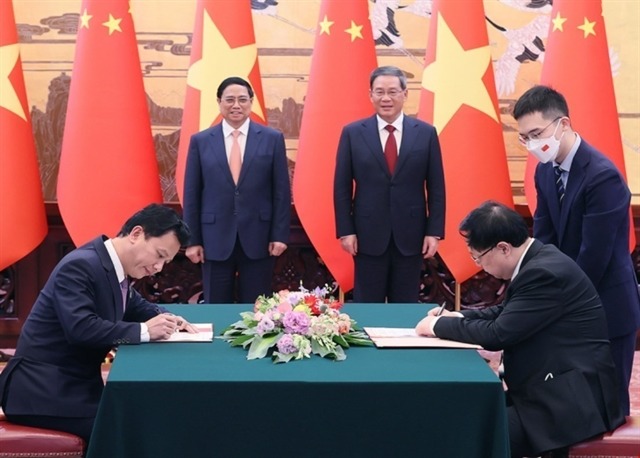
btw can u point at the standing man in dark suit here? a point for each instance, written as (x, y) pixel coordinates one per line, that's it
(237, 199)
(552, 327)
(590, 223)
(396, 216)
(86, 307)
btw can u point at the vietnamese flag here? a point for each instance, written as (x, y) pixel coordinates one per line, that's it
(577, 65)
(459, 98)
(223, 45)
(108, 167)
(23, 222)
(338, 93)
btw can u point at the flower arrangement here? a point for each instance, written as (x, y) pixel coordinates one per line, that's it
(294, 325)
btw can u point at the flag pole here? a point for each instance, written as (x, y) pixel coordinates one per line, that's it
(457, 297)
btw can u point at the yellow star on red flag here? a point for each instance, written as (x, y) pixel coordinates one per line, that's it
(206, 74)
(455, 77)
(588, 28)
(9, 56)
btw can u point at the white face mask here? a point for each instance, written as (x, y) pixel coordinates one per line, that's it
(545, 149)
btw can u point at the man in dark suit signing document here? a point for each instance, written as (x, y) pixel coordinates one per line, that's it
(561, 380)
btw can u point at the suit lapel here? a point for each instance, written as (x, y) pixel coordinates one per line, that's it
(112, 278)
(548, 186)
(574, 182)
(371, 138)
(409, 135)
(219, 152)
(251, 147)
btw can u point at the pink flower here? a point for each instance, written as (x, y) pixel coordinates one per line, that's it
(284, 307)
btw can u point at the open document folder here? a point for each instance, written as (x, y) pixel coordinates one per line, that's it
(205, 334)
(407, 338)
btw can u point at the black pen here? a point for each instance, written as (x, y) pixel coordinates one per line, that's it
(441, 309)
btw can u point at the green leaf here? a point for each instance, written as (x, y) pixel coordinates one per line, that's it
(261, 345)
(318, 349)
(340, 340)
(339, 354)
(240, 340)
(281, 358)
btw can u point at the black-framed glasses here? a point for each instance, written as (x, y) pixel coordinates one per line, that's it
(477, 259)
(534, 136)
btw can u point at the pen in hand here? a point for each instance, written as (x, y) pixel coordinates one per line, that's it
(441, 309)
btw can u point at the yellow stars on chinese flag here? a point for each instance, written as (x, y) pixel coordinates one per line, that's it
(558, 22)
(205, 75)
(587, 26)
(112, 24)
(8, 97)
(354, 30)
(84, 19)
(464, 70)
(325, 25)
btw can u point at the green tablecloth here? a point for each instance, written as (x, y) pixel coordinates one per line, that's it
(206, 400)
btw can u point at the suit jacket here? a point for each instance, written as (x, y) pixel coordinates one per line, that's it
(385, 203)
(593, 229)
(257, 210)
(76, 319)
(557, 362)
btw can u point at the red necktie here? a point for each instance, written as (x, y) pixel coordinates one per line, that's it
(391, 149)
(235, 161)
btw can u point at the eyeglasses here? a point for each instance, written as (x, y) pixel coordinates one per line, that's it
(535, 135)
(393, 93)
(477, 259)
(232, 100)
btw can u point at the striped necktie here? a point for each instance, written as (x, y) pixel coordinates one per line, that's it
(559, 183)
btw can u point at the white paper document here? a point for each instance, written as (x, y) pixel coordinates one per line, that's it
(407, 338)
(205, 334)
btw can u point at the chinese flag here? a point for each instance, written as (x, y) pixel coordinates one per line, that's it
(108, 167)
(338, 93)
(459, 98)
(23, 223)
(577, 65)
(224, 45)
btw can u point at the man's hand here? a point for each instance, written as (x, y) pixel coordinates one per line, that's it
(276, 248)
(429, 246)
(425, 326)
(162, 326)
(195, 254)
(350, 244)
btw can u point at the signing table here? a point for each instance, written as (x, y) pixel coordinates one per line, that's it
(206, 400)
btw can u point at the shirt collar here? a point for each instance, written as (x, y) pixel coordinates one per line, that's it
(108, 244)
(524, 253)
(397, 123)
(566, 164)
(227, 129)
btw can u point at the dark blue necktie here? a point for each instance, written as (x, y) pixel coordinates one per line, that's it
(124, 289)
(559, 183)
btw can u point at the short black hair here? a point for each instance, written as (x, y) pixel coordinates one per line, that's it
(543, 99)
(492, 223)
(388, 70)
(157, 220)
(234, 80)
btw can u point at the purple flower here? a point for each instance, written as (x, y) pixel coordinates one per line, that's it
(285, 345)
(265, 325)
(296, 323)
